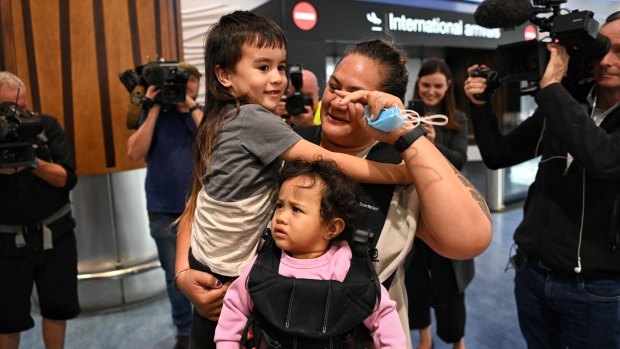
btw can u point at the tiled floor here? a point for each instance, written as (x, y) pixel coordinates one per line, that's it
(491, 314)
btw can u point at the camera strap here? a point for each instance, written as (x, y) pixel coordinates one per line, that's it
(47, 232)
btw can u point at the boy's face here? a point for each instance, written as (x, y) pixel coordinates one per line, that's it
(260, 76)
(297, 226)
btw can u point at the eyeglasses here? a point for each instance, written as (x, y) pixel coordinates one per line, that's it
(612, 17)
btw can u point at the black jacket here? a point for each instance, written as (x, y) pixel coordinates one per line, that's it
(28, 199)
(453, 143)
(556, 205)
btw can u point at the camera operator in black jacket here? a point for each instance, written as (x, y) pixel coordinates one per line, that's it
(567, 282)
(37, 241)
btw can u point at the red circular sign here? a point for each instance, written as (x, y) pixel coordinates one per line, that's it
(530, 32)
(304, 16)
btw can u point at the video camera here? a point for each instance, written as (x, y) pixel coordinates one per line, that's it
(527, 61)
(170, 77)
(295, 102)
(17, 127)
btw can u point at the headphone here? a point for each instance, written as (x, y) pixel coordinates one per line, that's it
(578, 267)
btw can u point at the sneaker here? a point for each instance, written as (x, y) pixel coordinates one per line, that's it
(182, 342)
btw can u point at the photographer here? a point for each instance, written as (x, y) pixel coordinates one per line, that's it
(37, 241)
(567, 282)
(165, 139)
(309, 88)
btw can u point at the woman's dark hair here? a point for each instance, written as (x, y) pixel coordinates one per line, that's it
(341, 196)
(448, 103)
(391, 58)
(223, 47)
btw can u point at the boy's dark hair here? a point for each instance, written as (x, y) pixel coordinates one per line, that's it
(341, 196)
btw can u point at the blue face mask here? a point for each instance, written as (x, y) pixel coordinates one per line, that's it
(387, 120)
(392, 118)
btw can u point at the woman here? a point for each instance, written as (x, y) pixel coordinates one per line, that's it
(416, 209)
(433, 280)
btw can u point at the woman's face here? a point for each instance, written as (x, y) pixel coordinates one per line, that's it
(432, 88)
(355, 72)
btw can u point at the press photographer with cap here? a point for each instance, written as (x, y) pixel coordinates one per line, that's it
(165, 140)
(567, 281)
(37, 241)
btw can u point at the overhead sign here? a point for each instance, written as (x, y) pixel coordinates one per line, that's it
(304, 16)
(434, 25)
(343, 22)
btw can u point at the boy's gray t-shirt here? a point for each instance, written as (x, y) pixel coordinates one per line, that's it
(234, 206)
(247, 157)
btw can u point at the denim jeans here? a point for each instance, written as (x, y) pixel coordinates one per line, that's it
(165, 237)
(565, 311)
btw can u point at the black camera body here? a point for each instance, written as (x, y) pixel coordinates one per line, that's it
(492, 83)
(576, 30)
(297, 101)
(168, 76)
(17, 127)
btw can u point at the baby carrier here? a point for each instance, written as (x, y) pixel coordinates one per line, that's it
(292, 313)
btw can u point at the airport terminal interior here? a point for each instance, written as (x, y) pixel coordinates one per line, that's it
(491, 313)
(121, 286)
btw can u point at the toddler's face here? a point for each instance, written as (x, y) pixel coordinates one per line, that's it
(297, 226)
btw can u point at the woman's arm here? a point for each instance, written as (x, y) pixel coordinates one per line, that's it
(455, 220)
(455, 150)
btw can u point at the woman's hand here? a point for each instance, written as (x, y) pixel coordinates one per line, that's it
(376, 102)
(204, 291)
(430, 132)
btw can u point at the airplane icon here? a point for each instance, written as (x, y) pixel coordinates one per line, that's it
(372, 18)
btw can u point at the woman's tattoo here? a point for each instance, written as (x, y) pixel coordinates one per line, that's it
(474, 192)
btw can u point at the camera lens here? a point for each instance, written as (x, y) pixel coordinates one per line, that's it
(295, 104)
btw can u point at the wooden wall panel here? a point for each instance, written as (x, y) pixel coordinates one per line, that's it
(118, 55)
(146, 29)
(86, 89)
(46, 39)
(69, 54)
(13, 40)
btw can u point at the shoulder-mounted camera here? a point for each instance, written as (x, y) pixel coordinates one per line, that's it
(170, 77)
(17, 127)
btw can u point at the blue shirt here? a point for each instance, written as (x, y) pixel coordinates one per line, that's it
(169, 162)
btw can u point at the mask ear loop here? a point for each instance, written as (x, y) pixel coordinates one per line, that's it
(414, 118)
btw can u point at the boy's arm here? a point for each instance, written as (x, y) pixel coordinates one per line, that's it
(360, 170)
